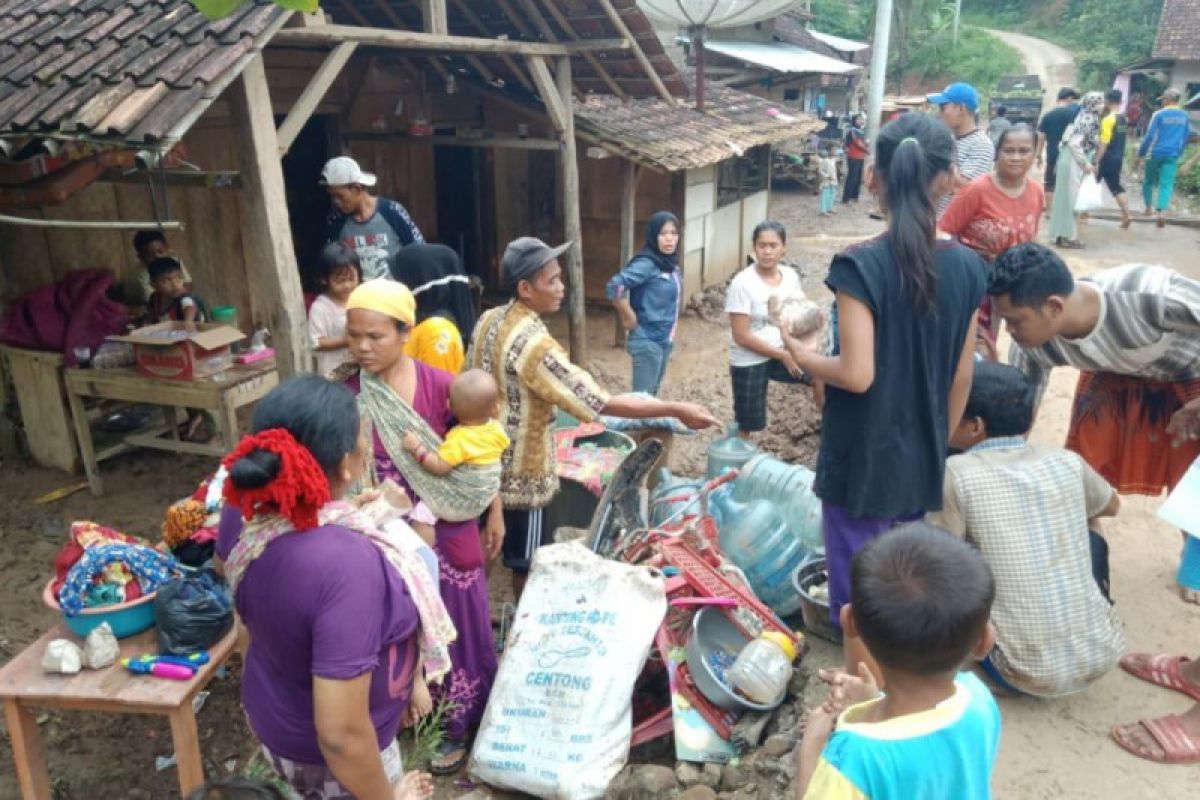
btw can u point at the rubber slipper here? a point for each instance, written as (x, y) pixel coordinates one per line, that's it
(446, 750)
(1160, 670)
(1168, 733)
(1160, 223)
(1072, 244)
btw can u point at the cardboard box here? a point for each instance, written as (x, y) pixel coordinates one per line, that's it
(171, 350)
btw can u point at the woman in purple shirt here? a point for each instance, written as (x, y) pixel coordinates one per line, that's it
(333, 626)
(397, 393)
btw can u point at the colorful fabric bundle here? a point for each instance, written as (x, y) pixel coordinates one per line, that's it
(82, 536)
(183, 519)
(151, 568)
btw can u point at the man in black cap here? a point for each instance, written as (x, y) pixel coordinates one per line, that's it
(1050, 132)
(536, 377)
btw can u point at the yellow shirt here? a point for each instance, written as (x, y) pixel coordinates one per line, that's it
(437, 342)
(1107, 126)
(474, 444)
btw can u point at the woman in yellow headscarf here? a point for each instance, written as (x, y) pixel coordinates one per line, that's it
(398, 393)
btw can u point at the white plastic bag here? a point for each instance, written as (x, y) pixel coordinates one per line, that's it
(557, 724)
(1090, 196)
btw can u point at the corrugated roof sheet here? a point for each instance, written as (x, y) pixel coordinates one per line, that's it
(119, 71)
(780, 57)
(680, 137)
(1178, 30)
(837, 42)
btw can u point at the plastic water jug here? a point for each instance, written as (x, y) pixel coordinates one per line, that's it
(789, 487)
(729, 453)
(671, 486)
(756, 538)
(763, 668)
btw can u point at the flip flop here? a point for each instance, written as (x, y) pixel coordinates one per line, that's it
(445, 750)
(1160, 670)
(1168, 733)
(1069, 244)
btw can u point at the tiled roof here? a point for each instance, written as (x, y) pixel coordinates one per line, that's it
(119, 71)
(1179, 30)
(680, 137)
(490, 19)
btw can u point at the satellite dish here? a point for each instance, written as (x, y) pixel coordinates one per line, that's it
(699, 15)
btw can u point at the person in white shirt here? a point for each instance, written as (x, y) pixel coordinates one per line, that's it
(341, 273)
(756, 352)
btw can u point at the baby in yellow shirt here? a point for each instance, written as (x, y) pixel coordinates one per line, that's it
(476, 442)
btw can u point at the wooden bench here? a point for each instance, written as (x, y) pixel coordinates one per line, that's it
(236, 387)
(114, 690)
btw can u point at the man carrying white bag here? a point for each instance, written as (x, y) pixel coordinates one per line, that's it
(558, 721)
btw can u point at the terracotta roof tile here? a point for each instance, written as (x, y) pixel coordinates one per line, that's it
(117, 68)
(679, 137)
(1179, 30)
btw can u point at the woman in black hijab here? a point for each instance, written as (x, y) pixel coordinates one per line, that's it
(646, 294)
(435, 276)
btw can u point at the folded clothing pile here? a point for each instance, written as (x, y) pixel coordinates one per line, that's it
(100, 566)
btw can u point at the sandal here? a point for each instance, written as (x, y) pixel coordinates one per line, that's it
(450, 758)
(1068, 244)
(1160, 670)
(1160, 223)
(1168, 733)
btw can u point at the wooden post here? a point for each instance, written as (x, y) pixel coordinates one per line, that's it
(433, 12)
(572, 223)
(629, 175)
(266, 230)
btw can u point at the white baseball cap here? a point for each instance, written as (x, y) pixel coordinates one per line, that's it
(345, 171)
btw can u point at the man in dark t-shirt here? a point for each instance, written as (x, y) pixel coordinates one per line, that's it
(1054, 123)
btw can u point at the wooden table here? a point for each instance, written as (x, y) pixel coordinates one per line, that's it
(114, 690)
(234, 388)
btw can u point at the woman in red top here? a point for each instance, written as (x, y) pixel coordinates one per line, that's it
(998, 210)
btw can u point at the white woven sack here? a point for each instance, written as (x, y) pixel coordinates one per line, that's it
(557, 724)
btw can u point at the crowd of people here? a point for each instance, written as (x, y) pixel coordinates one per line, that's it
(989, 557)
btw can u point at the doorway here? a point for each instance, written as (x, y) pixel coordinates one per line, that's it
(458, 175)
(308, 205)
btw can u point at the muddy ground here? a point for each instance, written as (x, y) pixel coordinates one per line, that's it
(1051, 749)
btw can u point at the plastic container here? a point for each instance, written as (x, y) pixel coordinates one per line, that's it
(764, 667)
(228, 315)
(758, 541)
(789, 487)
(728, 453)
(674, 495)
(715, 639)
(126, 619)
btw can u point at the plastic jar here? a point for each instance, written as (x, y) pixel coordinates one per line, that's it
(764, 667)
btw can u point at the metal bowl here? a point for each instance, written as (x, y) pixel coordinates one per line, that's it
(712, 631)
(813, 610)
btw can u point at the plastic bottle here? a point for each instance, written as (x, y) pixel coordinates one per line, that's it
(758, 541)
(763, 668)
(728, 453)
(789, 487)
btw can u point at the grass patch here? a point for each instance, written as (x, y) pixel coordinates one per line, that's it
(427, 736)
(979, 59)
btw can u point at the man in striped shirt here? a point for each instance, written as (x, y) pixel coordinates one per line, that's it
(974, 152)
(1134, 332)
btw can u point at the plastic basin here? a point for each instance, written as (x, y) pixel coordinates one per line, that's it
(712, 631)
(125, 619)
(814, 611)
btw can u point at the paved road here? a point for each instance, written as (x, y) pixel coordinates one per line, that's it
(1053, 64)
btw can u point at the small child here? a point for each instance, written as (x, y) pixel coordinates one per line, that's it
(341, 273)
(148, 246)
(171, 300)
(920, 600)
(828, 174)
(477, 441)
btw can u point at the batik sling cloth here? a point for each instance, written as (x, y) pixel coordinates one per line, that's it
(462, 494)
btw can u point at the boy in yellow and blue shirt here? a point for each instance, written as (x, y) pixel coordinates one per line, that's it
(920, 601)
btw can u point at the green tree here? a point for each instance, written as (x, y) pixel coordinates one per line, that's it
(215, 9)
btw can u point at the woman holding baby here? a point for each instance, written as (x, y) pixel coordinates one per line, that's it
(398, 394)
(756, 351)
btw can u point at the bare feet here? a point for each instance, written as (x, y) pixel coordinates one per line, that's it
(1189, 595)
(414, 786)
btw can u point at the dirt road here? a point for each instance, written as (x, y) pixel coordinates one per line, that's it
(1053, 64)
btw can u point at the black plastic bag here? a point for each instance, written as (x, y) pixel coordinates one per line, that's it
(192, 613)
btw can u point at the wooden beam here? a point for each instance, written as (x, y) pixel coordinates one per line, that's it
(508, 60)
(433, 13)
(274, 278)
(639, 54)
(560, 115)
(312, 95)
(218, 179)
(492, 142)
(629, 175)
(569, 29)
(543, 27)
(93, 225)
(572, 220)
(445, 45)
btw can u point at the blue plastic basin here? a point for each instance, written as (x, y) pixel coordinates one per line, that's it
(125, 619)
